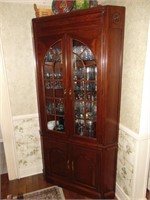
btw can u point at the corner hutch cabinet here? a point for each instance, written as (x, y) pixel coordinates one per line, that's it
(79, 66)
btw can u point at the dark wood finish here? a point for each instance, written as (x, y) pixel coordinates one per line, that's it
(148, 194)
(83, 164)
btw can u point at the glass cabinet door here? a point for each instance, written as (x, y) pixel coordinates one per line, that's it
(54, 88)
(85, 90)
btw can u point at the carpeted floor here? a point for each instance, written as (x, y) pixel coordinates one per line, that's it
(52, 193)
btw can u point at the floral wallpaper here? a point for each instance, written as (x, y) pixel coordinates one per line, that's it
(125, 164)
(28, 145)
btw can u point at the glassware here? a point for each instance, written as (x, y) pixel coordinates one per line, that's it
(75, 73)
(90, 73)
(60, 107)
(85, 95)
(91, 86)
(79, 95)
(87, 54)
(81, 4)
(51, 124)
(58, 85)
(60, 124)
(81, 127)
(49, 85)
(81, 86)
(80, 74)
(50, 107)
(90, 128)
(94, 110)
(50, 56)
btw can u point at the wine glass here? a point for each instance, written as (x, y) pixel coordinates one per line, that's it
(81, 127)
(90, 128)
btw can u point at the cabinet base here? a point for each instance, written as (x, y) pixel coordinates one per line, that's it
(89, 193)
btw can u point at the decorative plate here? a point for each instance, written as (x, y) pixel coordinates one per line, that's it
(62, 6)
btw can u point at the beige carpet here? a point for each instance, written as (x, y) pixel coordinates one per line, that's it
(52, 193)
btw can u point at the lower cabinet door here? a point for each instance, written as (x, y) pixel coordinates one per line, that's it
(85, 167)
(72, 165)
(56, 159)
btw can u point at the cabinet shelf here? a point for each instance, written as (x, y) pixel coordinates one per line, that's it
(57, 115)
(53, 79)
(49, 63)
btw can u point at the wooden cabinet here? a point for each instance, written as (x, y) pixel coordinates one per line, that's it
(79, 67)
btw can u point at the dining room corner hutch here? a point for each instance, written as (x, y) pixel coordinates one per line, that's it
(79, 69)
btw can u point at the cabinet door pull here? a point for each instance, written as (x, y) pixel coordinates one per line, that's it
(72, 165)
(70, 92)
(68, 164)
(65, 91)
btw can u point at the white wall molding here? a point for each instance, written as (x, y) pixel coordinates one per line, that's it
(134, 135)
(6, 121)
(21, 117)
(140, 175)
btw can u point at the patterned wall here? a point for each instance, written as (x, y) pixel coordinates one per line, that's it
(16, 36)
(28, 147)
(125, 164)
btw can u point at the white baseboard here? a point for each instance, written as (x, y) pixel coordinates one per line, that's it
(30, 171)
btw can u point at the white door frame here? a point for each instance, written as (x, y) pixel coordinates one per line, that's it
(6, 121)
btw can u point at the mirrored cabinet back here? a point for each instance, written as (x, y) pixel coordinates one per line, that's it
(79, 68)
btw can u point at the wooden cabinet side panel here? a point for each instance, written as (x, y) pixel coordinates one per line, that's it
(113, 75)
(109, 162)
